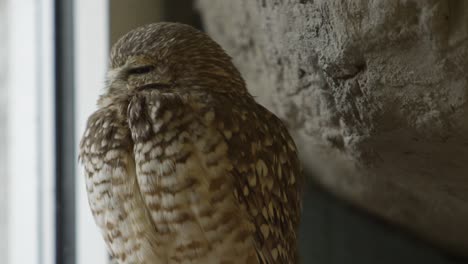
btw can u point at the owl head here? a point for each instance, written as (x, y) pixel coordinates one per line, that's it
(170, 57)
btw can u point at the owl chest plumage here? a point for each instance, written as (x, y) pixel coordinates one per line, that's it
(178, 160)
(167, 192)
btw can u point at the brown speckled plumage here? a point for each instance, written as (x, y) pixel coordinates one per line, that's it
(182, 165)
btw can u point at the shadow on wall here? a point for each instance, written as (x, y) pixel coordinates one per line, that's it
(333, 232)
(126, 17)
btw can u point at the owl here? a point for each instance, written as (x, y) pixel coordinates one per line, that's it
(181, 164)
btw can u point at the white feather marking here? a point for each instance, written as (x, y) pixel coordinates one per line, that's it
(157, 126)
(155, 152)
(149, 166)
(166, 166)
(147, 147)
(173, 148)
(111, 154)
(168, 181)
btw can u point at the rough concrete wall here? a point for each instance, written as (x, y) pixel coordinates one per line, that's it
(375, 93)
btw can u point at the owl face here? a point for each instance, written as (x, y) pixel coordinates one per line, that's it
(170, 57)
(138, 73)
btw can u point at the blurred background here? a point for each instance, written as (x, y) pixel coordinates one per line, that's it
(53, 58)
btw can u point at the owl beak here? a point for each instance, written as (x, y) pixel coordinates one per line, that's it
(117, 77)
(116, 74)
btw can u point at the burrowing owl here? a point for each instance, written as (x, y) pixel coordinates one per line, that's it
(181, 164)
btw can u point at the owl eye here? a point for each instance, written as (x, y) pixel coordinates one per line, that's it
(141, 70)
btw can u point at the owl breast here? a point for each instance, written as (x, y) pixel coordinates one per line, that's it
(186, 182)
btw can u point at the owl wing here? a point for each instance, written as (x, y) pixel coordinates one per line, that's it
(118, 210)
(267, 175)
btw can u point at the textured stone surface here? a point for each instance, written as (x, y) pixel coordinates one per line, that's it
(375, 93)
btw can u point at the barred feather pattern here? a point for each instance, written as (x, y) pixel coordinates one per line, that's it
(192, 178)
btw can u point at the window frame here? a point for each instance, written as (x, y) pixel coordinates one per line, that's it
(30, 156)
(57, 57)
(91, 20)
